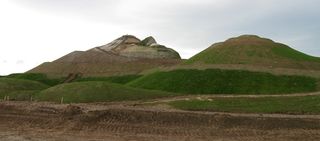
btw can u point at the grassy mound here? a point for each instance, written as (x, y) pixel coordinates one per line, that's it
(112, 79)
(96, 91)
(287, 105)
(253, 50)
(215, 81)
(19, 89)
(43, 78)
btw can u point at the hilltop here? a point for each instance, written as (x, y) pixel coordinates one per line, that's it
(256, 51)
(132, 47)
(125, 55)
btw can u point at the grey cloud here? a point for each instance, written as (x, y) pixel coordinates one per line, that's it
(194, 25)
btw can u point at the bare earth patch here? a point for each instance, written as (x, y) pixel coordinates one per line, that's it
(25, 121)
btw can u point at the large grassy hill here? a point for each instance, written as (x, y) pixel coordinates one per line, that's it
(256, 51)
(96, 91)
(216, 81)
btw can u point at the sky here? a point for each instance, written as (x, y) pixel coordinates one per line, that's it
(37, 31)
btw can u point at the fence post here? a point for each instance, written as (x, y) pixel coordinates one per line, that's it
(61, 101)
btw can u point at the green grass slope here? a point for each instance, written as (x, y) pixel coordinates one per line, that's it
(215, 81)
(19, 89)
(253, 50)
(287, 105)
(96, 91)
(43, 78)
(112, 79)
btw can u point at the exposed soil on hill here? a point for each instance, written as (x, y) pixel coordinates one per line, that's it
(125, 55)
(25, 121)
(102, 68)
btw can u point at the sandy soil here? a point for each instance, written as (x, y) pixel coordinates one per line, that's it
(25, 121)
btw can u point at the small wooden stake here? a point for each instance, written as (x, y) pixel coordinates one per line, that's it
(31, 98)
(8, 98)
(5, 98)
(61, 101)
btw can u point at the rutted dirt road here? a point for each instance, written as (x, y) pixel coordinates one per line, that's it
(24, 121)
(203, 97)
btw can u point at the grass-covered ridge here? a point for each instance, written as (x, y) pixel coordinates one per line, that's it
(112, 79)
(96, 91)
(256, 51)
(216, 81)
(288, 52)
(287, 105)
(43, 78)
(19, 89)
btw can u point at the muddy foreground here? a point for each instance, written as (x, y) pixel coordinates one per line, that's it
(25, 121)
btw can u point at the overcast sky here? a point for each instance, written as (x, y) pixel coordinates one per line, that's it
(36, 31)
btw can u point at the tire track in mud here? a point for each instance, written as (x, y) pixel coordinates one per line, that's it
(173, 124)
(183, 124)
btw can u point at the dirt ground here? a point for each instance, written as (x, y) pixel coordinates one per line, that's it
(38, 121)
